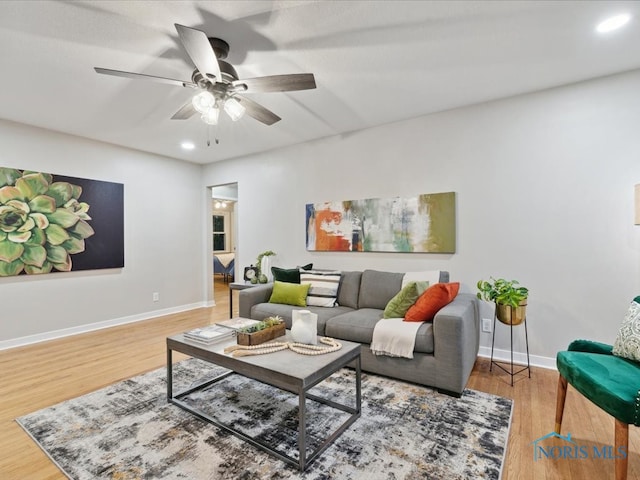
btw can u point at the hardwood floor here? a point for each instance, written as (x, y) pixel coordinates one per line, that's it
(37, 376)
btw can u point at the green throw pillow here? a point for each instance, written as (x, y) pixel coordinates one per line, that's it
(422, 287)
(289, 294)
(398, 305)
(290, 275)
(627, 344)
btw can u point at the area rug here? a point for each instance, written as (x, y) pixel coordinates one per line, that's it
(129, 431)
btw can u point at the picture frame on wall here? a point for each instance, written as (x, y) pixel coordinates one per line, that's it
(55, 223)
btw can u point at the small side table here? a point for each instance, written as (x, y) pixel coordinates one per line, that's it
(238, 286)
(526, 337)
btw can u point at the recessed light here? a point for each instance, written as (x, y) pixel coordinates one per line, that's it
(188, 145)
(613, 23)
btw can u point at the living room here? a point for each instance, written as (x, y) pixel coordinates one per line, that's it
(544, 185)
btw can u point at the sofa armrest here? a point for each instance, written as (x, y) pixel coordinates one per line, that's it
(590, 347)
(456, 332)
(249, 297)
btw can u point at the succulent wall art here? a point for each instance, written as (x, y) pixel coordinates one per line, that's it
(423, 223)
(52, 223)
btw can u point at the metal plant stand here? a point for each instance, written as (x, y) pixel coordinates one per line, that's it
(497, 364)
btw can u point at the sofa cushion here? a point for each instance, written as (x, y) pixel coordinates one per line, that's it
(261, 311)
(358, 325)
(354, 326)
(424, 338)
(349, 289)
(289, 294)
(432, 300)
(377, 288)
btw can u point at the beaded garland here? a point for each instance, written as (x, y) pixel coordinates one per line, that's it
(302, 348)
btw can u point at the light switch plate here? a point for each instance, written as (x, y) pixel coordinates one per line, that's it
(486, 325)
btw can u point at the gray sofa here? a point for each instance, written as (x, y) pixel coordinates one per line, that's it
(445, 349)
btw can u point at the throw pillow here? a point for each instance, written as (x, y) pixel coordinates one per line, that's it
(627, 344)
(323, 287)
(290, 275)
(398, 305)
(289, 294)
(432, 300)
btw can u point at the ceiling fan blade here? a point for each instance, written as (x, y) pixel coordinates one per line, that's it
(277, 83)
(257, 111)
(169, 81)
(186, 111)
(199, 49)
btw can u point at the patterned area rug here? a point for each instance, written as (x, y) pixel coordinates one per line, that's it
(129, 431)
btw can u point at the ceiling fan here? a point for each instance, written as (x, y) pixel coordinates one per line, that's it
(217, 82)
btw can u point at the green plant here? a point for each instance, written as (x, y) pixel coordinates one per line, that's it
(266, 253)
(266, 323)
(501, 291)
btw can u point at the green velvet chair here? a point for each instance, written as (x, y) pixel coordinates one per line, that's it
(610, 382)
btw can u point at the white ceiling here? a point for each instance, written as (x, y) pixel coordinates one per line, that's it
(375, 62)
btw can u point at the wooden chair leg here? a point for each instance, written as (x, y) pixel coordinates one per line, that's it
(622, 445)
(562, 395)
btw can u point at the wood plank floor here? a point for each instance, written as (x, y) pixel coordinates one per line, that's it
(41, 375)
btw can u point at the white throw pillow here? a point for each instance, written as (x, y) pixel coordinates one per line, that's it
(323, 291)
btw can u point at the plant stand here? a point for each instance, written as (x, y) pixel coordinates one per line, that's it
(497, 364)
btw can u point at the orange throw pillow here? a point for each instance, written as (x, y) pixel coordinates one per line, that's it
(433, 299)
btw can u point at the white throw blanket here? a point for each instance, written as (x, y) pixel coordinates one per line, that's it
(394, 337)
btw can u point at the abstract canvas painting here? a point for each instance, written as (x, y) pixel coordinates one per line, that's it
(421, 224)
(52, 223)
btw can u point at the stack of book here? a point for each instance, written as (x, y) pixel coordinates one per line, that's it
(218, 332)
(210, 334)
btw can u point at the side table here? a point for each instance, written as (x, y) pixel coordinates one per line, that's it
(238, 286)
(526, 337)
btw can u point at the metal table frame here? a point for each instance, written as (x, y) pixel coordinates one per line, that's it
(303, 459)
(238, 286)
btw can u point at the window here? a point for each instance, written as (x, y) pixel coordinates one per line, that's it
(219, 234)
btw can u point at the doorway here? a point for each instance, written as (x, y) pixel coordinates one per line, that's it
(224, 223)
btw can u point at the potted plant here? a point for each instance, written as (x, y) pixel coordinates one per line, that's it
(268, 329)
(510, 299)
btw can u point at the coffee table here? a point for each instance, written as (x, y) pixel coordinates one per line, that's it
(286, 370)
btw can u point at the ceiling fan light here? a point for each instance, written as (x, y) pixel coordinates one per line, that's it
(613, 23)
(210, 117)
(203, 102)
(234, 109)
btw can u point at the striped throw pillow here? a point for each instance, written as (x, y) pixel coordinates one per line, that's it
(323, 289)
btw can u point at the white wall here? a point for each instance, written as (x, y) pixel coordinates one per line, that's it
(544, 187)
(164, 239)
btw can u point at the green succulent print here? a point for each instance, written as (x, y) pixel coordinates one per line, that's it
(42, 223)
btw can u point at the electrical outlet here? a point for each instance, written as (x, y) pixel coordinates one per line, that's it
(486, 325)
(156, 296)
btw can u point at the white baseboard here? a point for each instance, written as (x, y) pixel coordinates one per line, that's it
(518, 358)
(66, 332)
